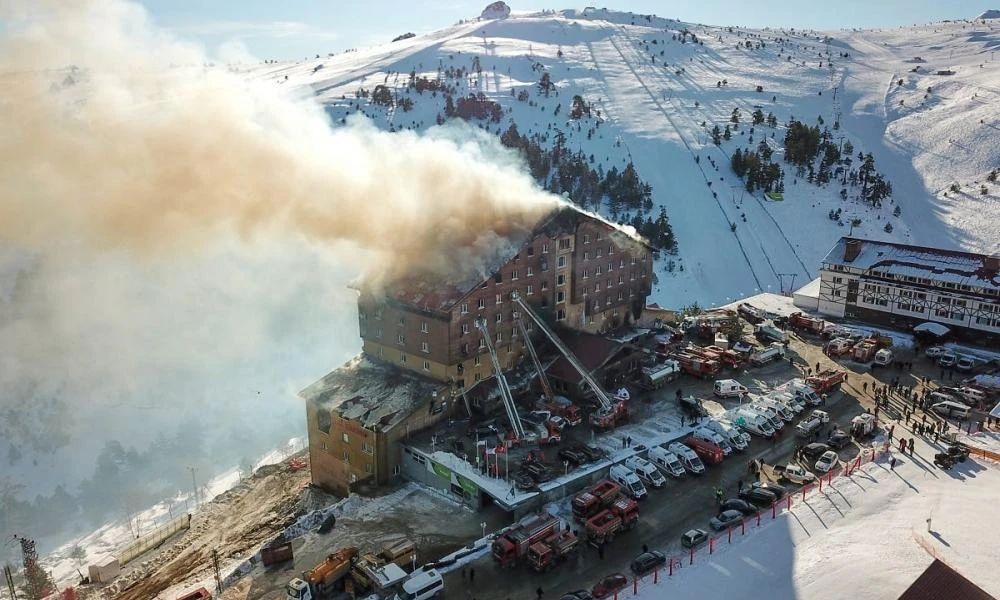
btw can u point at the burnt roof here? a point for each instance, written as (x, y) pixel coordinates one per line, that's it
(593, 352)
(375, 394)
(941, 582)
(440, 293)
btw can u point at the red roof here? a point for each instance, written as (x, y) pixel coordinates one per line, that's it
(941, 582)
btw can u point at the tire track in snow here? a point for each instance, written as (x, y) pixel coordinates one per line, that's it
(659, 106)
(760, 203)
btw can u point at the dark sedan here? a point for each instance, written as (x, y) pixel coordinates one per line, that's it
(577, 595)
(758, 497)
(725, 519)
(737, 504)
(647, 562)
(814, 451)
(779, 491)
(838, 439)
(609, 585)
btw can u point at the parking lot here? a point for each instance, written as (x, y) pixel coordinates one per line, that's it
(684, 503)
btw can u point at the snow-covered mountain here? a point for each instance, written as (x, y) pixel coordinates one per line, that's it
(921, 100)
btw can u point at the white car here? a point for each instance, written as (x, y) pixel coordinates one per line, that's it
(827, 461)
(558, 423)
(935, 351)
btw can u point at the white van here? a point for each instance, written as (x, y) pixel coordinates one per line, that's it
(666, 460)
(729, 388)
(808, 427)
(788, 398)
(737, 439)
(937, 397)
(803, 391)
(972, 395)
(751, 421)
(949, 408)
(422, 585)
(783, 412)
(768, 413)
(629, 481)
(648, 473)
(706, 434)
(883, 358)
(688, 457)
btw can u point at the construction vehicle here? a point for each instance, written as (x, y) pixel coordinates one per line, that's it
(378, 572)
(773, 352)
(697, 366)
(800, 321)
(546, 554)
(826, 380)
(326, 578)
(512, 545)
(589, 503)
(620, 515)
(611, 412)
(707, 324)
(507, 398)
(558, 405)
(751, 313)
(768, 331)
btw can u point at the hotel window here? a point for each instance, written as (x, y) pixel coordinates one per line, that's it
(347, 456)
(611, 267)
(425, 347)
(499, 298)
(478, 361)
(477, 376)
(598, 236)
(529, 272)
(423, 327)
(402, 321)
(400, 339)
(560, 297)
(586, 273)
(611, 250)
(465, 329)
(367, 448)
(586, 238)
(560, 315)
(599, 253)
(561, 280)
(378, 333)
(598, 272)
(561, 262)
(513, 274)
(427, 365)
(597, 306)
(621, 264)
(465, 308)
(499, 317)
(530, 290)
(531, 250)
(597, 287)
(482, 303)
(621, 279)
(378, 313)
(545, 248)
(499, 337)
(564, 244)
(346, 439)
(586, 256)
(368, 468)
(482, 343)
(402, 357)
(545, 285)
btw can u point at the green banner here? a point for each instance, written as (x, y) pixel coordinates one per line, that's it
(467, 484)
(442, 471)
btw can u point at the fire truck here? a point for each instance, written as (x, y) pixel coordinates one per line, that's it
(811, 324)
(512, 546)
(620, 515)
(826, 380)
(588, 503)
(546, 554)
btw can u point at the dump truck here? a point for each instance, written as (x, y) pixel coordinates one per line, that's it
(826, 380)
(512, 545)
(811, 324)
(326, 578)
(549, 552)
(656, 376)
(773, 352)
(620, 515)
(751, 313)
(589, 503)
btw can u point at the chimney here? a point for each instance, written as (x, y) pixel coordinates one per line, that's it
(991, 264)
(851, 250)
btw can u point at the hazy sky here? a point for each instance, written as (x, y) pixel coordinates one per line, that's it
(296, 29)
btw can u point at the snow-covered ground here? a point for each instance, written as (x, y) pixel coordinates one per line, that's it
(658, 99)
(875, 531)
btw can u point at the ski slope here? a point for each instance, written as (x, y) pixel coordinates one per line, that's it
(654, 94)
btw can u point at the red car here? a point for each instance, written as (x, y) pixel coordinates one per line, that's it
(609, 585)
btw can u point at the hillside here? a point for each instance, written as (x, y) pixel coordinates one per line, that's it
(651, 91)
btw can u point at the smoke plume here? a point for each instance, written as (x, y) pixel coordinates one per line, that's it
(182, 237)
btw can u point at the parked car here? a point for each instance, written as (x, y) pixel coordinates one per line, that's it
(738, 504)
(592, 452)
(779, 491)
(838, 439)
(609, 585)
(694, 538)
(815, 450)
(827, 461)
(577, 595)
(647, 562)
(935, 351)
(965, 364)
(725, 519)
(484, 430)
(758, 497)
(573, 456)
(947, 360)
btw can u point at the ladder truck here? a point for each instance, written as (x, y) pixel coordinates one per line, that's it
(505, 394)
(557, 405)
(611, 412)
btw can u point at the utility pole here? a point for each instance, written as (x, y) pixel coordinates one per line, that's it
(194, 485)
(218, 571)
(8, 578)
